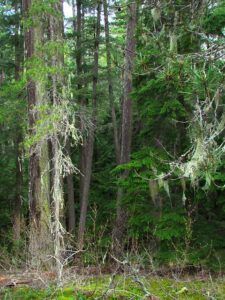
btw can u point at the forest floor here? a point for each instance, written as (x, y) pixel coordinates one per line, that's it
(24, 285)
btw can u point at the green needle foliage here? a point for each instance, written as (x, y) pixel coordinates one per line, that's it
(173, 188)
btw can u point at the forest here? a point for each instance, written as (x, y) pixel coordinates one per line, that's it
(112, 150)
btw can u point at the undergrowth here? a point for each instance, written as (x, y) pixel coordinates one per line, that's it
(124, 288)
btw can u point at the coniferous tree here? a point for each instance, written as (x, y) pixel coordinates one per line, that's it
(91, 135)
(40, 239)
(18, 39)
(126, 131)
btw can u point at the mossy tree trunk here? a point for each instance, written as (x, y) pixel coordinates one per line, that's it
(57, 97)
(40, 241)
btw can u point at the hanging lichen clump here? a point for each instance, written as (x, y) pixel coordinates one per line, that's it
(204, 156)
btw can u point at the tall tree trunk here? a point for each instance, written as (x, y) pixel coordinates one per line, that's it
(39, 180)
(70, 207)
(121, 213)
(90, 139)
(19, 137)
(110, 83)
(57, 85)
(78, 30)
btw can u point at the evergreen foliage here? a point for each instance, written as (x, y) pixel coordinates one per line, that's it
(174, 182)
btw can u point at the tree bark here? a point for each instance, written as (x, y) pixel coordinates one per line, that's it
(39, 180)
(57, 84)
(81, 102)
(19, 138)
(121, 213)
(90, 139)
(110, 83)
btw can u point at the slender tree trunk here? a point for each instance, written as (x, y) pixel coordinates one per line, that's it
(110, 83)
(57, 83)
(70, 208)
(81, 102)
(121, 214)
(39, 188)
(90, 138)
(18, 139)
